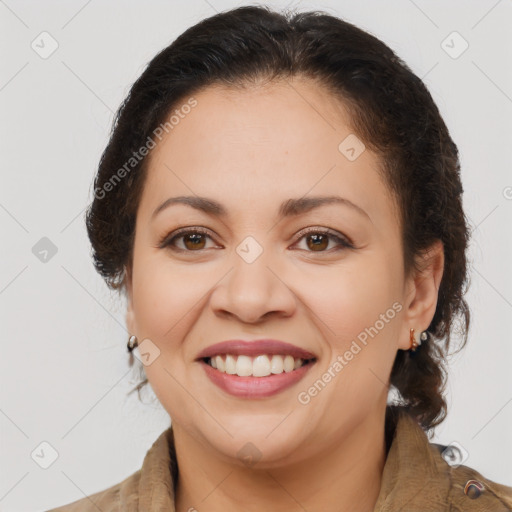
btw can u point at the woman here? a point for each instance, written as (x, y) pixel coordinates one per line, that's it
(281, 202)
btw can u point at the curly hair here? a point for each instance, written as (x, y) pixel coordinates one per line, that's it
(390, 110)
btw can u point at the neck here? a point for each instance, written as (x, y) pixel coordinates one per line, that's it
(347, 477)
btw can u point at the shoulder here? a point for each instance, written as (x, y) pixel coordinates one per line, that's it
(469, 490)
(430, 477)
(152, 483)
(107, 500)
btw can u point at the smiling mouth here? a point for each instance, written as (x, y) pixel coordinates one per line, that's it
(258, 366)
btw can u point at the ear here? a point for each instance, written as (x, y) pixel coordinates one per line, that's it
(422, 288)
(130, 317)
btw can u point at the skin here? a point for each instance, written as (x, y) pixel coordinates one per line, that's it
(251, 150)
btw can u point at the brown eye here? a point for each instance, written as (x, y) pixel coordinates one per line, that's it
(193, 240)
(318, 240)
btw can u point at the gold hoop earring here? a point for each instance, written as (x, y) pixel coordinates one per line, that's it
(132, 343)
(416, 342)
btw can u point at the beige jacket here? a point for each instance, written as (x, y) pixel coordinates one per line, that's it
(416, 477)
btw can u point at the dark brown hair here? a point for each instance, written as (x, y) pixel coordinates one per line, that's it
(391, 110)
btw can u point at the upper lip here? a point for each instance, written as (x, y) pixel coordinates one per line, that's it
(255, 348)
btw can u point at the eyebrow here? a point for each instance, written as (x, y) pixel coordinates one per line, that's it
(289, 208)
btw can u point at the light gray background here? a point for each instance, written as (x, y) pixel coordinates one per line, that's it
(64, 364)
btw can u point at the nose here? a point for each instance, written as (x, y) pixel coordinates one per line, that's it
(253, 291)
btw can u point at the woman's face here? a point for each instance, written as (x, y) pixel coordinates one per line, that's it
(252, 273)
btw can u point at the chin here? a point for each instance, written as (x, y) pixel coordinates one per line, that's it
(259, 445)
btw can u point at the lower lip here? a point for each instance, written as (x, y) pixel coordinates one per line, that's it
(255, 387)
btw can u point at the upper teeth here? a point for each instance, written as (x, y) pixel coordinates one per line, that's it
(259, 366)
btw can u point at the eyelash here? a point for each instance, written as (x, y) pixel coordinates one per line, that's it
(168, 240)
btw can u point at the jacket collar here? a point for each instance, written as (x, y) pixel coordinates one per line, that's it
(414, 472)
(158, 476)
(414, 469)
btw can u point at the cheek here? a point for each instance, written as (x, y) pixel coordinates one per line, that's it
(165, 294)
(165, 300)
(350, 300)
(358, 311)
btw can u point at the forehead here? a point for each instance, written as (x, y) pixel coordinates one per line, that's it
(260, 143)
(287, 111)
